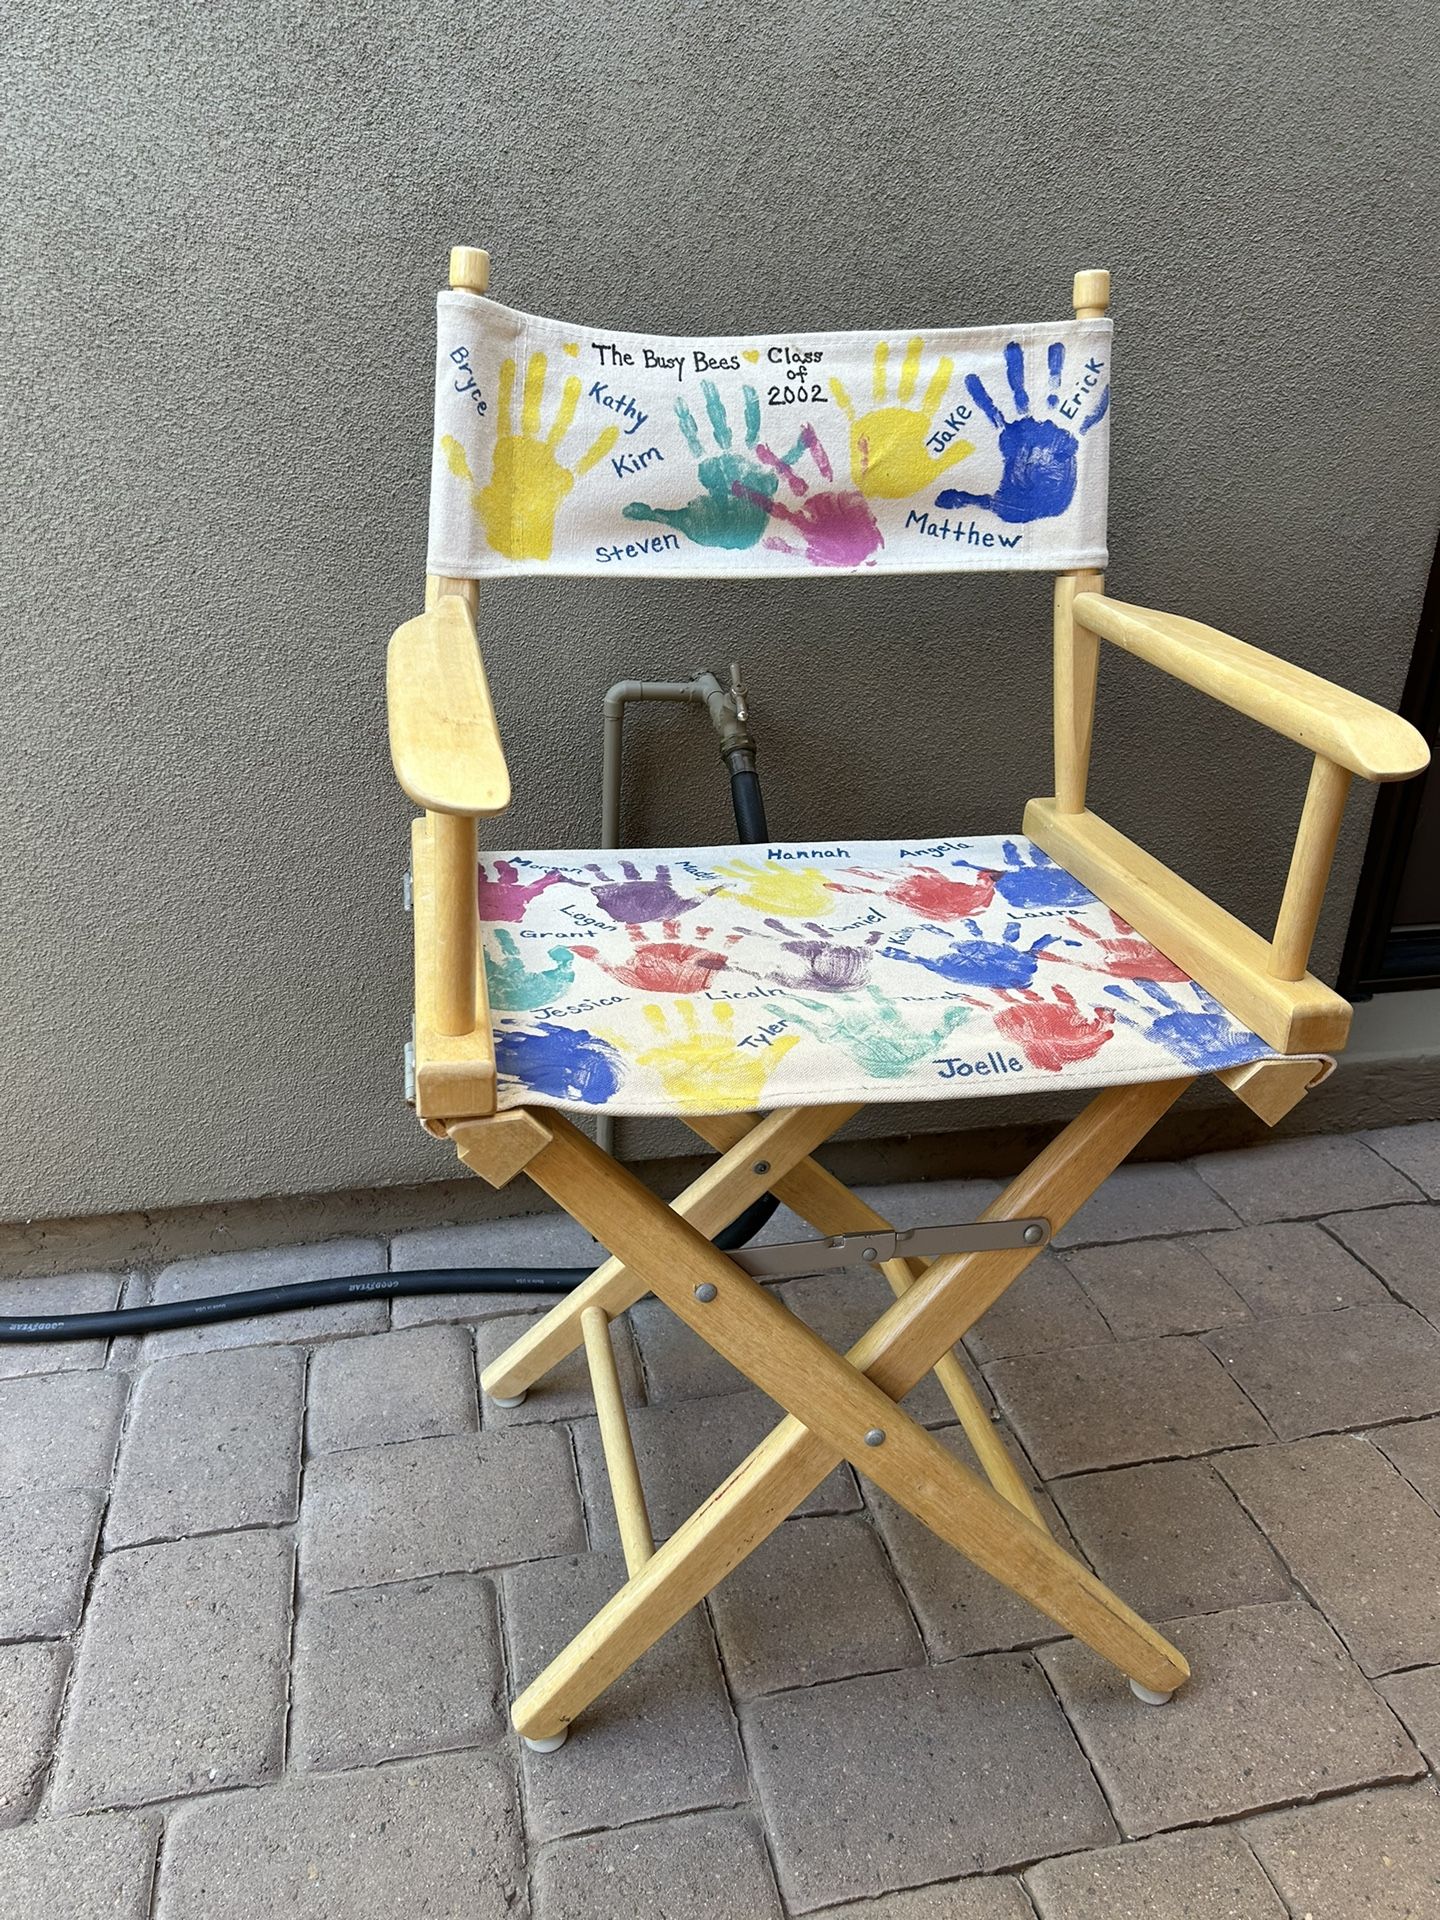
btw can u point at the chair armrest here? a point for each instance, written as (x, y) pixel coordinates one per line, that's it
(444, 743)
(1356, 734)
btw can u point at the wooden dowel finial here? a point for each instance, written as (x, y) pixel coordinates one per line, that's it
(1092, 293)
(470, 269)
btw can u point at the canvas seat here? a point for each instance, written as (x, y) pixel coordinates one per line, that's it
(716, 979)
(766, 994)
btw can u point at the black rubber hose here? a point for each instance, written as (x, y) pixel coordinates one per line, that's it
(749, 806)
(750, 828)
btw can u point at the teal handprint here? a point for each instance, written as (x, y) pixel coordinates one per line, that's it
(873, 1031)
(514, 985)
(733, 511)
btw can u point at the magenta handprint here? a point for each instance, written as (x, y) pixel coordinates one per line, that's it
(506, 896)
(836, 529)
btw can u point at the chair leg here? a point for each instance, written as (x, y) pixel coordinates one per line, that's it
(764, 1149)
(829, 1206)
(837, 1411)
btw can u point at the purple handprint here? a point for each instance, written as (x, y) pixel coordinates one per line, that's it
(634, 901)
(827, 965)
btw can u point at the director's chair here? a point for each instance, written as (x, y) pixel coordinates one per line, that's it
(766, 995)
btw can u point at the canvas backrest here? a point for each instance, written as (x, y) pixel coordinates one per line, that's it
(576, 450)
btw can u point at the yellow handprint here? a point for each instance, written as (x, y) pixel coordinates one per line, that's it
(709, 1072)
(889, 451)
(527, 479)
(801, 892)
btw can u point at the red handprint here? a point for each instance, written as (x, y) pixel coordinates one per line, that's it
(929, 893)
(507, 897)
(1129, 956)
(1054, 1034)
(671, 965)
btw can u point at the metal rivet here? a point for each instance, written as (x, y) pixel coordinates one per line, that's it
(867, 1253)
(875, 1437)
(705, 1292)
(761, 1166)
(1033, 1236)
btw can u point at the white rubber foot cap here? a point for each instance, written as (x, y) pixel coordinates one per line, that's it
(518, 1401)
(552, 1745)
(1148, 1695)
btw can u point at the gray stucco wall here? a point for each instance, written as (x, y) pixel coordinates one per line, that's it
(224, 229)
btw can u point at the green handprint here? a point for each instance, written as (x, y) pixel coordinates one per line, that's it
(514, 985)
(733, 509)
(870, 1029)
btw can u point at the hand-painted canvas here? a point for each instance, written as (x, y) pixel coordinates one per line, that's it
(712, 979)
(576, 450)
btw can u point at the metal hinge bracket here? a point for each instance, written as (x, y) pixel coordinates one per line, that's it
(869, 1249)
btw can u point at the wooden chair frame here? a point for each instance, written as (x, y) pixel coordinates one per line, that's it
(448, 756)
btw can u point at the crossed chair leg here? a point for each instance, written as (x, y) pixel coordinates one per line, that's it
(837, 1408)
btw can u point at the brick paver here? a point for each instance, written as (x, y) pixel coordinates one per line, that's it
(816, 1601)
(213, 1442)
(1134, 1400)
(179, 1684)
(1297, 1179)
(31, 1678)
(900, 1778)
(58, 1430)
(1207, 1875)
(270, 1267)
(429, 1839)
(1171, 1538)
(47, 1541)
(64, 1293)
(448, 1505)
(385, 1672)
(1275, 1710)
(95, 1867)
(1358, 1538)
(1376, 1855)
(602, 1776)
(1324, 1372)
(698, 1866)
(1402, 1245)
(392, 1386)
(1289, 1267)
(1230, 1370)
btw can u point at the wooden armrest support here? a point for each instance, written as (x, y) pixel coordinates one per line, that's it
(444, 742)
(1228, 958)
(1356, 734)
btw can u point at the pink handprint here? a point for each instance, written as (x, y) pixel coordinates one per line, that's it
(836, 529)
(633, 900)
(507, 897)
(928, 893)
(671, 965)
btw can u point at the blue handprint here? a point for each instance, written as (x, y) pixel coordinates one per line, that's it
(1038, 477)
(978, 962)
(1200, 1035)
(1032, 883)
(734, 509)
(514, 985)
(565, 1063)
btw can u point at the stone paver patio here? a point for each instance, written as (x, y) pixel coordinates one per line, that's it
(266, 1589)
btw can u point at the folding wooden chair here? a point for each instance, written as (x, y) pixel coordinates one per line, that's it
(809, 981)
